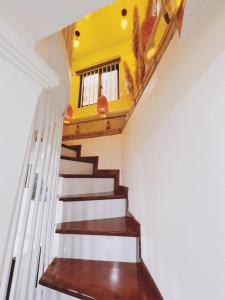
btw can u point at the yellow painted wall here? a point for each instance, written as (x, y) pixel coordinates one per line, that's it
(102, 20)
(106, 23)
(124, 51)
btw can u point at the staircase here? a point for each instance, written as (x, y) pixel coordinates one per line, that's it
(98, 239)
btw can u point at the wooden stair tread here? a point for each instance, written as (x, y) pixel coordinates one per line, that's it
(84, 159)
(76, 148)
(99, 280)
(87, 175)
(122, 226)
(92, 196)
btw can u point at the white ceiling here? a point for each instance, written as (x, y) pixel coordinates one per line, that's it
(197, 12)
(41, 18)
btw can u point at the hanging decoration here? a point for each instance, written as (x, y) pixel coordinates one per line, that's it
(180, 15)
(165, 11)
(102, 106)
(136, 43)
(129, 81)
(148, 24)
(69, 112)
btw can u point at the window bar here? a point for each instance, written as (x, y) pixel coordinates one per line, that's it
(110, 81)
(103, 84)
(82, 90)
(116, 83)
(93, 88)
(85, 90)
(99, 83)
(89, 89)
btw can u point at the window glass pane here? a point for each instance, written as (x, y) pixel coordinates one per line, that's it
(110, 85)
(90, 89)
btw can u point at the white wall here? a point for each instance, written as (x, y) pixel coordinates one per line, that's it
(43, 18)
(108, 148)
(174, 164)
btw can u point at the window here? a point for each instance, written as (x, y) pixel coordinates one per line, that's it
(100, 80)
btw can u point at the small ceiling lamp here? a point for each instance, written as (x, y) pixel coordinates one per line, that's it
(102, 106)
(76, 41)
(124, 21)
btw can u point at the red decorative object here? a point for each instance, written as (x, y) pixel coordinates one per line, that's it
(146, 31)
(69, 112)
(102, 106)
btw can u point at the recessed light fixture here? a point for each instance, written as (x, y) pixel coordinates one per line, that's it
(76, 41)
(124, 21)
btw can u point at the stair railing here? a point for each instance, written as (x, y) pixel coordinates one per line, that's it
(30, 239)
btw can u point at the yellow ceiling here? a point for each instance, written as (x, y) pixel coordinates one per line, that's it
(102, 29)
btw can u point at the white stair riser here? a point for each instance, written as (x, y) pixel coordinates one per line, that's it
(53, 295)
(75, 167)
(91, 210)
(68, 152)
(97, 247)
(74, 186)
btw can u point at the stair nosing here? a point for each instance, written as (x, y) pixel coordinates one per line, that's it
(74, 198)
(97, 233)
(134, 233)
(86, 176)
(65, 291)
(78, 159)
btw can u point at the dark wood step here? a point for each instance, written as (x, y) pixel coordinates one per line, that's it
(93, 197)
(85, 159)
(76, 148)
(95, 175)
(123, 226)
(100, 280)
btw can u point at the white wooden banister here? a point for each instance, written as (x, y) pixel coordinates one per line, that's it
(33, 219)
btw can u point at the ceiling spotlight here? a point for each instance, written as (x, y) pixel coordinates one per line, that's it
(76, 41)
(124, 21)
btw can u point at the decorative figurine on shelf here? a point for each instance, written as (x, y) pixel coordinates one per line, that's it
(102, 106)
(77, 132)
(108, 126)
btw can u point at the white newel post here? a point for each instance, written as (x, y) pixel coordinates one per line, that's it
(33, 98)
